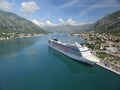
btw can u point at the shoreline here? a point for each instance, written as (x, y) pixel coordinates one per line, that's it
(101, 64)
(7, 38)
(108, 68)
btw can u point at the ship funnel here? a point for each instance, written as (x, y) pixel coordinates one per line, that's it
(77, 44)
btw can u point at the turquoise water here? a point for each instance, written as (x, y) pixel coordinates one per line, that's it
(29, 64)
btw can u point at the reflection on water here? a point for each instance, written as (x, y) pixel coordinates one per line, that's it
(74, 66)
(1, 88)
(11, 47)
(37, 67)
(62, 37)
(14, 45)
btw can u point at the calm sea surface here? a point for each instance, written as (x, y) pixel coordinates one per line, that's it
(29, 64)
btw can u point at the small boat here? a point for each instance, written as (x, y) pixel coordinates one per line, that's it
(75, 51)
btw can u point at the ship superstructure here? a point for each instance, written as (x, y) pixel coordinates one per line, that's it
(75, 51)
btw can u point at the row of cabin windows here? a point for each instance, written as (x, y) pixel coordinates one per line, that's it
(71, 47)
(67, 49)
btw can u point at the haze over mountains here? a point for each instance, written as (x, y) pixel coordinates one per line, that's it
(12, 23)
(70, 28)
(109, 23)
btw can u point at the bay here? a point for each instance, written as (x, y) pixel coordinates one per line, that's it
(29, 64)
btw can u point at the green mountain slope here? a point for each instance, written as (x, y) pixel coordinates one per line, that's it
(12, 23)
(109, 24)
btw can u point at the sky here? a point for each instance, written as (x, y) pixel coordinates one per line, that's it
(61, 12)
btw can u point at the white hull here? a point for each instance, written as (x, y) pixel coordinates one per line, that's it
(75, 57)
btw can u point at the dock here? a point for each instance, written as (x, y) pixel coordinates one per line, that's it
(108, 68)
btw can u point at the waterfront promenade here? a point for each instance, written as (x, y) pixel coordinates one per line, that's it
(108, 68)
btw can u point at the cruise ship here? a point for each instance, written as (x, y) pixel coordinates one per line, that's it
(75, 51)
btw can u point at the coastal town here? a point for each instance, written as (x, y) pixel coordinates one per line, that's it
(8, 36)
(106, 47)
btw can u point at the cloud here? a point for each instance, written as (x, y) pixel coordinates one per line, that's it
(5, 5)
(42, 24)
(111, 3)
(61, 21)
(69, 4)
(29, 7)
(37, 22)
(49, 23)
(70, 21)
